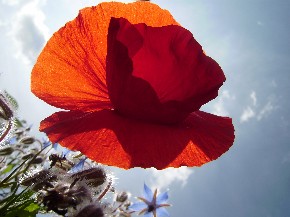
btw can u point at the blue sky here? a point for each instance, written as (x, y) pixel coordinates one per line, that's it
(250, 40)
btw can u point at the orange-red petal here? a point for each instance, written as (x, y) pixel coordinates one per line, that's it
(111, 139)
(70, 71)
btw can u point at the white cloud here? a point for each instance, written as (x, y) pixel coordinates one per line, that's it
(247, 114)
(28, 31)
(254, 98)
(11, 2)
(219, 106)
(257, 112)
(164, 178)
(3, 23)
(266, 110)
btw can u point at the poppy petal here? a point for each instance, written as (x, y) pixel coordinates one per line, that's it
(70, 71)
(108, 138)
(160, 80)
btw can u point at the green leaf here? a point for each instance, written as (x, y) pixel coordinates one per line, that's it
(21, 213)
(7, 169)
(18, 123)
(13, 173)
(8, 200)
(22, 205)
(32, 207)
(12, 185)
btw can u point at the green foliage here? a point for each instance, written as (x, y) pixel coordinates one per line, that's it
(24, 192)
(12, 100)
(15, 200)
(19, 123)
(21, 205)
(7, 169)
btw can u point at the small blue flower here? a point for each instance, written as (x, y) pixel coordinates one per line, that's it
(78, 167)
(45, 143)
(59, 148)
(151, 204)
(12, 141)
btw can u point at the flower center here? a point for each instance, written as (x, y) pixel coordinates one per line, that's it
(151, 208)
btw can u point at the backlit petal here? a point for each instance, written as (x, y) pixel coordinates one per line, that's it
(158, 80)
(162, 198)
(78, 167)
(147, 193)
(137, 207)
(162, 212)
(111, 139)
(70, 71)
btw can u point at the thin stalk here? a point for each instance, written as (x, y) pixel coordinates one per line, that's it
(7, 130)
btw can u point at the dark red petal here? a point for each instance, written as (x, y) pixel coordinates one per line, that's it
(111, 139)
(160, 71)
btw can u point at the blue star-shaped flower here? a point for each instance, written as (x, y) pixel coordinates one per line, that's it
(151, 205)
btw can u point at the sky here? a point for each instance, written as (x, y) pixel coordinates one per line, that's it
(250, 39)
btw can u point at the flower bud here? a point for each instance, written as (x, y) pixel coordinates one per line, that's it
(27, 140)
(37, 160)
(6, 151)
(122, 197)
(40, 180)
(18, 132)
(27, 156)
(92, 210)
(94, 176)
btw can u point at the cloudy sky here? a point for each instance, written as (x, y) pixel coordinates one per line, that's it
(250, 39)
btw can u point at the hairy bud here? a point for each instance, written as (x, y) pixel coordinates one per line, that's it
(27, 140)
(40, 180)
(122, 197)
(6, 151)
(92, 210)
(94, 176)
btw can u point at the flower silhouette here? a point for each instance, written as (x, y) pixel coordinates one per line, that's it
(151, 204)
(132, 81)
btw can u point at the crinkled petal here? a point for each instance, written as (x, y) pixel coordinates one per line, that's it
(158, 80)
(137, 207)
(147, 193)
(111, 139)
(162, 198)
(162, 212)
(70, 71)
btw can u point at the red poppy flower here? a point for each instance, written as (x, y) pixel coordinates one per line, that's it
(133, 81)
